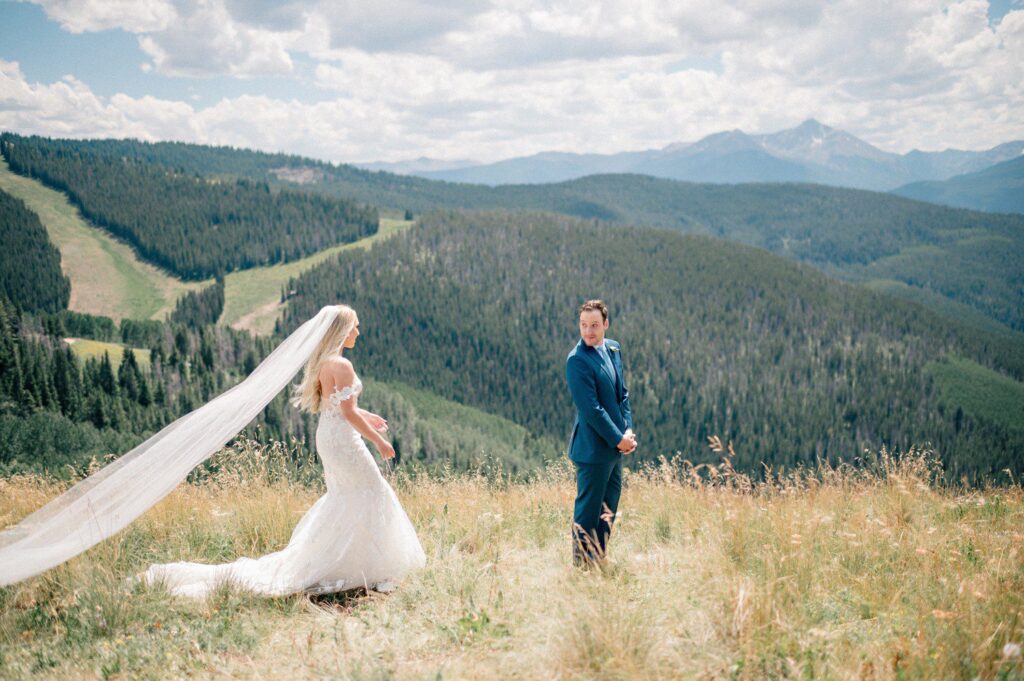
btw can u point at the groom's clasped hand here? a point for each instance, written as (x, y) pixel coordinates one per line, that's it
(628, 443)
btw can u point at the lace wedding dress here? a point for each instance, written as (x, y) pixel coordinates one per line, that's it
(355, 535)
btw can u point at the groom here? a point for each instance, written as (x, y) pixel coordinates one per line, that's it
(601, 433)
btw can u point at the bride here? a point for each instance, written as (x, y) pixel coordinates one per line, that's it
(357, 534)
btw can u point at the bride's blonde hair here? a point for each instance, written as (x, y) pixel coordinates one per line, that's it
(307, 394)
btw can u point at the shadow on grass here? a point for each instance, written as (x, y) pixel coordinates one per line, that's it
(343, 601)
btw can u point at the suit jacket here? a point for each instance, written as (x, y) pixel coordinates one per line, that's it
(602, 403)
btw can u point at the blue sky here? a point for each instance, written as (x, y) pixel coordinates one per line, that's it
(110, 61)
(395, 79)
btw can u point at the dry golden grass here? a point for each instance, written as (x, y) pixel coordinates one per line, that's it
(835, 574)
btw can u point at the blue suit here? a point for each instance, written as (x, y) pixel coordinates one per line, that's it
(602, 416)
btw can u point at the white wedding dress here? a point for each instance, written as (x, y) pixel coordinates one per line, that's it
(356, 535)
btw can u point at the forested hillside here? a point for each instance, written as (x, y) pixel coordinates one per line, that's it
(30, 273)
(194, 226)
(969, 257)
(58, 409)
(943, 254)
(717, 339)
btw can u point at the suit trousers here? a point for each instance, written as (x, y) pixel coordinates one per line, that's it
(598, 487)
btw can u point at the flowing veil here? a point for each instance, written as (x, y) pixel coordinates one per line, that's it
(107, 501)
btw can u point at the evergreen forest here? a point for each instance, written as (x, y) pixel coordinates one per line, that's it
(59, 411)
(30, 274)
(718, 339)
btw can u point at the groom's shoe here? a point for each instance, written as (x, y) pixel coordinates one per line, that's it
(586, 552)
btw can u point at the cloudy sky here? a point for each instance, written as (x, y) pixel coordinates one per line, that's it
(485, 80)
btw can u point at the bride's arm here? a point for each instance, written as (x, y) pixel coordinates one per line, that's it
(355, 416)
(342, 376)
(376, 421)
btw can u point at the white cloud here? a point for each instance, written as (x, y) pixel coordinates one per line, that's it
(511, 77)
(66, 107)
(134, 16)
(209, 41)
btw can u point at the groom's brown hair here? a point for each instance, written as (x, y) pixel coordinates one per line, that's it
(595, 305)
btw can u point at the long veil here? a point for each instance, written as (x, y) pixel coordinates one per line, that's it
(105, 502)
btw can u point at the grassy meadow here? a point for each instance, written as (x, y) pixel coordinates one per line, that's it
(875, 573)
(106, 276)
(86, 348)
(252, 298)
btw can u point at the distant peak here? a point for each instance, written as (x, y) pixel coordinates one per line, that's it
(727, 134)
(812, 124)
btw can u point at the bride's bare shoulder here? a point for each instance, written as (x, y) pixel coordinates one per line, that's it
(337, 367)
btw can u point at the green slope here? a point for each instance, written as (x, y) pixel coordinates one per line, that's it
(252, 298)
(439, 433)
(109, 280)
(106, 277)
(942, 305)
(998, 188)
(195, 227)
(979, 391)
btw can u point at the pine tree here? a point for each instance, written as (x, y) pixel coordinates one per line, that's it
(129, 376)
(12, 381)
(106, 375)
(67, 382)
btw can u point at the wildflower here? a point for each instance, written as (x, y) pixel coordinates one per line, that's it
(1011, 651)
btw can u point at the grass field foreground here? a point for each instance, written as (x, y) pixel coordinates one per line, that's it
(838, 574)
(252, 298)
(106, 276)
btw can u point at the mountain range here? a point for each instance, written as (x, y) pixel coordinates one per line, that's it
(811, 152)
(998, 189)
(959, 262)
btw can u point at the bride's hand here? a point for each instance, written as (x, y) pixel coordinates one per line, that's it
(376, 422)
(386, 450)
